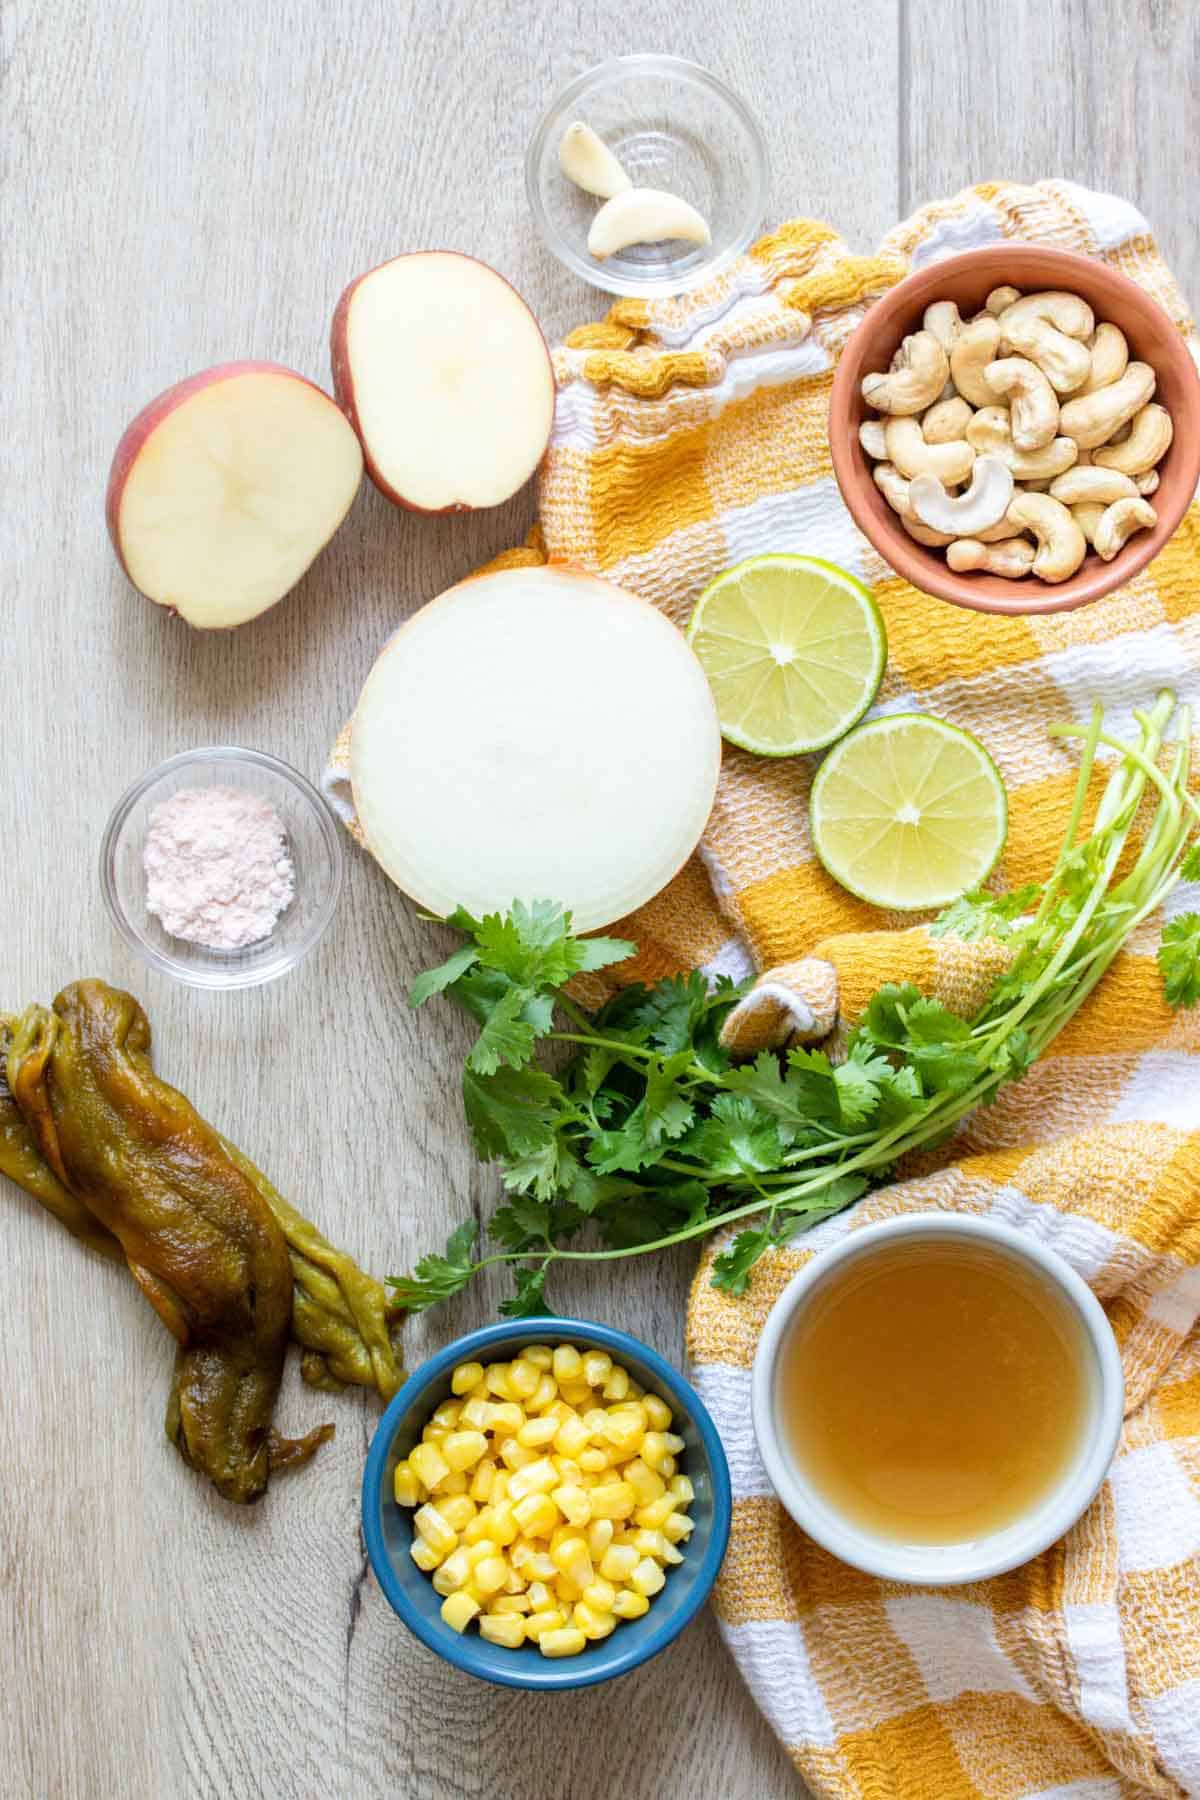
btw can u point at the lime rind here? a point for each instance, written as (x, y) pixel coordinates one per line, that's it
(874, 635)
(997, 819)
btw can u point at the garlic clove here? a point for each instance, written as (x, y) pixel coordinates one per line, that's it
(644, 216)
(587, 160)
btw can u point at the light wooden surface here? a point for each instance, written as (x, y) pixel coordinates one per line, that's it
(189, 180)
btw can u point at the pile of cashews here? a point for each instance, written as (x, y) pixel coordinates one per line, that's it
(1016, 439)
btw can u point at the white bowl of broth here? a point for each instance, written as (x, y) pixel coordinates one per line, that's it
(937, 1398)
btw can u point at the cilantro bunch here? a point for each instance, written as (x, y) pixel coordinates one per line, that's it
(647, 1134)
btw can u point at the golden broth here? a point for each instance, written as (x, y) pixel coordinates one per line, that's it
(933, 1391)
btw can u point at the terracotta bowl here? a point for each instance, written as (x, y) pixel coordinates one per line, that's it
(1153, 338)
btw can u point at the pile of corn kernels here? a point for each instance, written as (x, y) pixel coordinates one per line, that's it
(548, 1501)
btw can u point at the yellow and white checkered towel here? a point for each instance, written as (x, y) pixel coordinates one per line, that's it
(690, 434)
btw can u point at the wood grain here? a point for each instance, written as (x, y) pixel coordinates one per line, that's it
(183, 183)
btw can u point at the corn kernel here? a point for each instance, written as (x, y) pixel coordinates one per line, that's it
(447, 1415)
(654, 1450)
(480, 1391)
(490, 1574)
(647, 1578)
(504, 1527)
(674, 1443)
(439, 1535)
(540, 1597)
(515, 1582)
(572, 1436)
(458, 1610)
(593, 1623)
(433, 1434)
(496, 1377)
(574, 1393)
(543, 1396)
(595, 1418)
(616, 1386)
(540, 1355)
(566, 1641)
(630, 1605)
(550, 1620)
(481, 1481)
(523, 1377)
(618, 1562)
(514, 1455)
(458, 1511)
(613, 1500)
(512, 1603)
(600, 1535)
(570, 1471)
(536, 1514)
(651, 1543)
(542, 1566)
(504, 1417)
(597, 1367)
(465, 1377)
(477, 1529)
(645, 1483)
(573, 1503)
(678, 1527)
(599, 1595)
(655, 1514)
(572, 1559)
(667, 1468)
(558, 1409)
(536, 1477)
(636, 1390)
(454, 1573)
(463, 1449)
(407, 1485)
(624, 1432)
(566, 1594)
(658, 1413)
(428, 1464)
(671, 1553)
(453, 1483)
(566, 1363)
(536, 1434)
(499, 1486)
(593, 1461)
(682, 1491)
(424, 1555)
(503, 1628)
(474, 1415)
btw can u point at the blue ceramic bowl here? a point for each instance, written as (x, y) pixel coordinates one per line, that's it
(387, 1528)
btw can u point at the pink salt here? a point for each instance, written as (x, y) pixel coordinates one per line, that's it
(218, 868)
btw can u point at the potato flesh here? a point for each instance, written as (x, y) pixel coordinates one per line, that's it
(535, 733)
(451, 380)
(234, 493)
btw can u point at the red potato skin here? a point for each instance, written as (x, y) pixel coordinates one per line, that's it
(147, 421)
(343, 380)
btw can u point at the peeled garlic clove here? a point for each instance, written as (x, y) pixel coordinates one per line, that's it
(587, 160)
(644, 216)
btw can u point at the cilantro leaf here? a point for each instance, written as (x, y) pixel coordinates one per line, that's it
(1189, 868)
(670, 1011)
(978, 914)
(735, 1139)
(436, 981)
(668, 1112)
(650, 1213)
(521, 1222)
(797, 1097)
(858, 1081)
(505, 1037)
(627, 1147)
(601, 953)
(1179, 960)
(436, 1277)
(731, 1269)
(529, 1301)
(512, 1112)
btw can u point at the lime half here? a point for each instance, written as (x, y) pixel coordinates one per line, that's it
(909, 812)
(794, 650)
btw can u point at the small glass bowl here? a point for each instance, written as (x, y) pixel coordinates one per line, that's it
(673, 126)
(313, 840)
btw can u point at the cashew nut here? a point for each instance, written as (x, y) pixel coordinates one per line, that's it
(895, 491)
(643, 216)
(1119, 523)
(1110, 357)
(1061, 544)
(870, 436)
(974, 348)
(1067, 313)
(935, 540)
(1092, 419)
(1065, 363)
(915, 380)
(1102, 486)
(943, 321)
(1034, 403)
(1146, 484)
(1148, 442)
(1011, 557)
(1000, 299)
(907, 449)
(984, 504)
(946, 421)
(990, 433)
(1087, 515)
(587, 160)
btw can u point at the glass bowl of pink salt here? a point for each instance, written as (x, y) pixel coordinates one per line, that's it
(221, 867)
